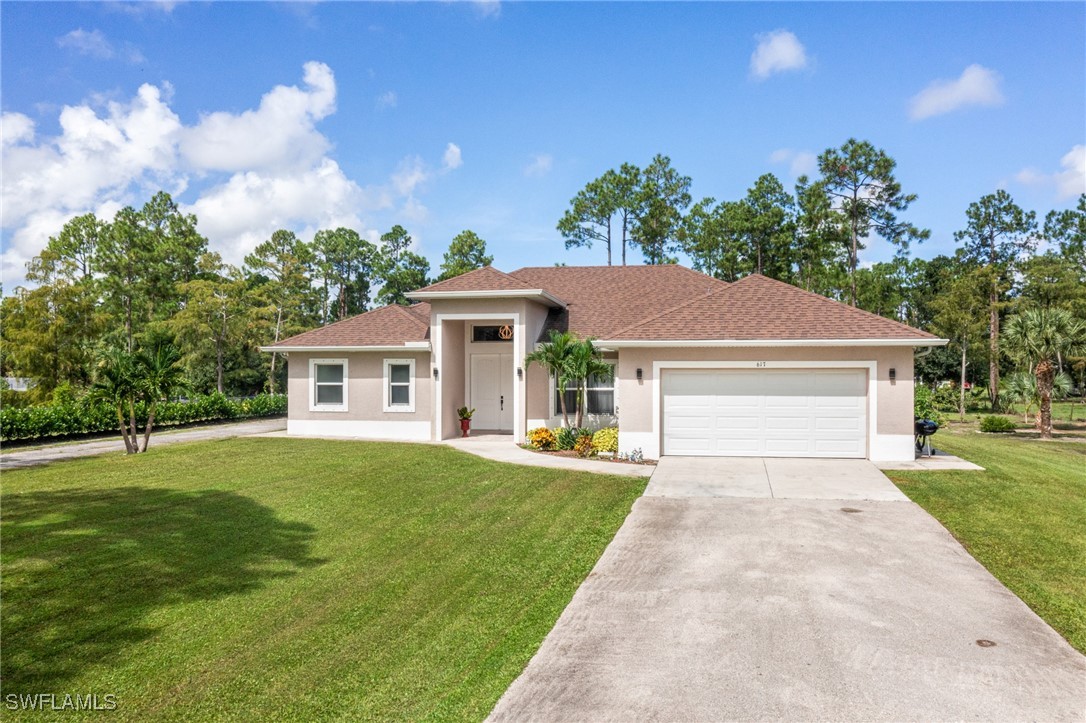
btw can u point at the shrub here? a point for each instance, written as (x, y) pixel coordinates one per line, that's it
(606, 440)
(945, 398)
(541, 438)
(565, 438)
(583, 445)
(996, 425)
(72, 416)
(924, 405)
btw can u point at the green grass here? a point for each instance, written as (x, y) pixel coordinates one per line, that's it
(290, 578)
(1024, 518)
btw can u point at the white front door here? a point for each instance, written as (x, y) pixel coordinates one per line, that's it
(765, 413)
(492, 391)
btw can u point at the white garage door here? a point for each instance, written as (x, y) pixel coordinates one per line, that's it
(765, 412)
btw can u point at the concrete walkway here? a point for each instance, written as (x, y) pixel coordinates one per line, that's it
(712, 607)
(71, 450)
(500, 447)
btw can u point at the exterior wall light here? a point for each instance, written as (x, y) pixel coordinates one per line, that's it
(893, 375)
(435, 374)
(520, 373)
(640, 374)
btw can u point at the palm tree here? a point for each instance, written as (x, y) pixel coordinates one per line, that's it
(115, 383)
(583, 362)
(159, 374)
(1021, 387)
(552, 355)
(1038, 339)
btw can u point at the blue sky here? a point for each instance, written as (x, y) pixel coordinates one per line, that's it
(445, 116)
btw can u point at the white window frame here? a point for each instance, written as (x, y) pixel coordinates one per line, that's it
(386, 380)
(313, 406)
(556, 411)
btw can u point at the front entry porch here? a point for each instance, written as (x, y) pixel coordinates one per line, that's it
(479, 365)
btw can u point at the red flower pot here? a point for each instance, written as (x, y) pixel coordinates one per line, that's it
(465, 425)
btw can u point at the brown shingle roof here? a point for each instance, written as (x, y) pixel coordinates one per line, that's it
(487, 278)
(384, 326)
(602, 299)
(760, 308)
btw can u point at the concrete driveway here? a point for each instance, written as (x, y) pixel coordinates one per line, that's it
(771, 477)
(711, 605)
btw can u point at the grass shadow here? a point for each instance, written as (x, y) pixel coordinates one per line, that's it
(84, 568)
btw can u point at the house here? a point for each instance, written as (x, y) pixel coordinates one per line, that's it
(702, 367)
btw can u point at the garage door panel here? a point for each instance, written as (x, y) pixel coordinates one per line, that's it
(793, 423)
(837, 424)
(798, 412)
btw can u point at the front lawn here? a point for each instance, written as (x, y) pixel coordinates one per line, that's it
(292, 578)
(1024, 518)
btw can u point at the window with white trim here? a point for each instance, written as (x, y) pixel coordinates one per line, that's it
(328, 385)
(399, 382)
(599, 396)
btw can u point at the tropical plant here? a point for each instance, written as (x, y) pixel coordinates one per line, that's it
(583, 361)
(1040, 338)
(996, 425)
(465, 413)
(541, 438)
(606, 440)
(159, 375)
(565, 438)
(553, 355)
(1021, 388)
(583, 446)
(115, 383)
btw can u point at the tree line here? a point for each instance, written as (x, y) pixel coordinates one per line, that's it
(1006, 261)
(146, 280)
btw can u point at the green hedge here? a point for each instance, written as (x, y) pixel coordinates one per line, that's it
(80, 417)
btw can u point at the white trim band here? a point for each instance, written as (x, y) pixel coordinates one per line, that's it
(633, 344)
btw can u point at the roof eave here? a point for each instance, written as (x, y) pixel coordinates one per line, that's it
(406, 346)
(535, 294)
(660, 343)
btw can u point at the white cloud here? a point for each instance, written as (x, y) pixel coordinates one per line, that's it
(246, 209)
(452, 158)
(280, 133)
(388, 99)
(142, 8)
(487, 8)
(977, 86)
(777, 52)
(540, 166)
(15, 128)
(92, 43)
(1068, 182)
(800, 163)
(410, 175)
(251, 172)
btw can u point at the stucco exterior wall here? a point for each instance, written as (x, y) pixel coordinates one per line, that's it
(452, 345)
(894, 400)
(365, 415)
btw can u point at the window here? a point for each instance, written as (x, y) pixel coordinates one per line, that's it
(503, 332)
(328, 385)
(399, 380)
(599, 395)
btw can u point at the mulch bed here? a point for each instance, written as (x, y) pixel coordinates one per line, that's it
(571, 453)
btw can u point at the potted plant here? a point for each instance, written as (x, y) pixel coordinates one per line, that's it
(465, 419)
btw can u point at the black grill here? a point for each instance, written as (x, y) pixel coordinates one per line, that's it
(924, 429)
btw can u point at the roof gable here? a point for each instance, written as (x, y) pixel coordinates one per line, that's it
(384, 326)
(486, 278)
(757, 308)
